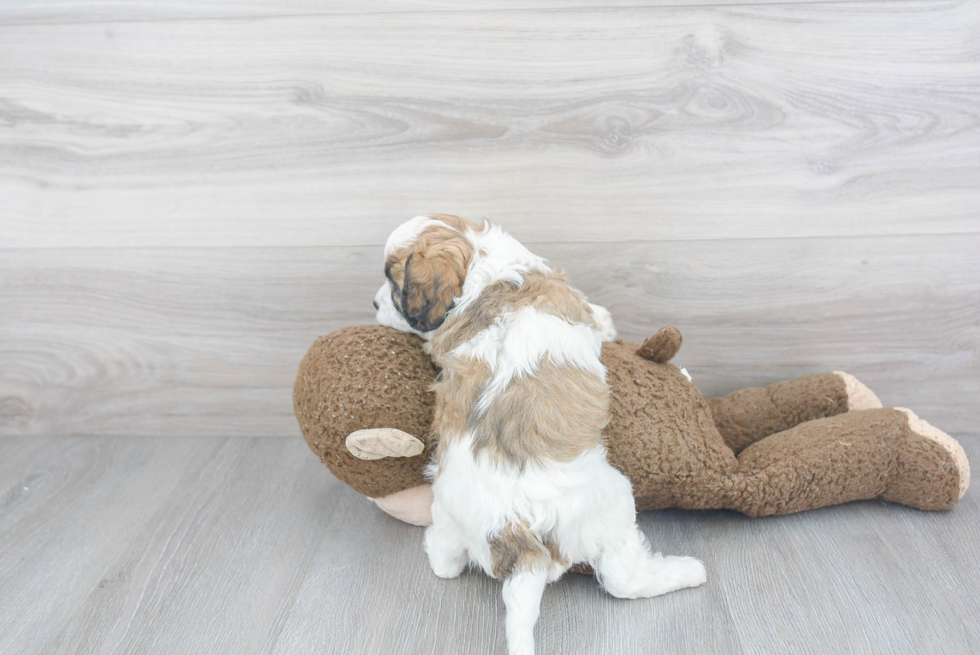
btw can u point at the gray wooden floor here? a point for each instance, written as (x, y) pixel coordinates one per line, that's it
(248, 545)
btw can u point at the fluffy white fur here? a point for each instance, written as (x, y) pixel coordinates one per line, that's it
(517, 342)
(388, 315)
(405, 233)
(584, 506)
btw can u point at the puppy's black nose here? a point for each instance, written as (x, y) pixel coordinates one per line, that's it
(376, 305)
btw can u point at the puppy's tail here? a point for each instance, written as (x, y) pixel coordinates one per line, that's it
(523, 562)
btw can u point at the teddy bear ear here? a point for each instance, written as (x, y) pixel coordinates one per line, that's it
(662, 346)
(376, 443)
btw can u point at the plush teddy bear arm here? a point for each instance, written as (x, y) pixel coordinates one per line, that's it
(875, 453)
(748, 415)
(412, 505)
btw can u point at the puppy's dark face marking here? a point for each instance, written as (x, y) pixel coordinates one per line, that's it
(427, 275)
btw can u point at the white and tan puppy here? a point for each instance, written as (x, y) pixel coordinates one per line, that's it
(521, 484)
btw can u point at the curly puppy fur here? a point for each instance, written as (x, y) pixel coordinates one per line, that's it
(521, 482)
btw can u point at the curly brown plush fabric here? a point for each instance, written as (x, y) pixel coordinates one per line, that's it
(662, 346)
(362, 377)
(747, 415)
(799, 445)
(661, 432)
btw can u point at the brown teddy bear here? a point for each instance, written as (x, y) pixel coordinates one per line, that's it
(363, 401)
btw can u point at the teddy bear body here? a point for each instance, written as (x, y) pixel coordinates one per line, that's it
(813, 441)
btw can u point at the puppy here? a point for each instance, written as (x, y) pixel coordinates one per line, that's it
(522, 487)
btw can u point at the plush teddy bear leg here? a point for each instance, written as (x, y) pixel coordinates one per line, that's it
(751, 414)
(886, 453)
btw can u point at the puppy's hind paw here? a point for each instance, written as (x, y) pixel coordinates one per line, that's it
(667, 574)
(447, 567)
(447, 557)
(684, 572)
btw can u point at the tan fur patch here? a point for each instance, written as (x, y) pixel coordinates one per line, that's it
(517, 549)
(555, 553)
(548, 293)
(554, 415)
(457, 391)
(428, 274)
(456, 222)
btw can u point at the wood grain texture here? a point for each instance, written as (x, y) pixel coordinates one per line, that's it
(23, 12)
(786, 120)
(208, 341)
(66, 513)
(249, 545)
(218, 568)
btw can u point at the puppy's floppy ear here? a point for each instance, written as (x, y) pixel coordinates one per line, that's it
(434, 272)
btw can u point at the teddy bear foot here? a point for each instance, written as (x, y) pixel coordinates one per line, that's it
(859, 396)
(918, 482)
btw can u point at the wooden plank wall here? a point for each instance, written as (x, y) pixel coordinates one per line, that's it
(190, 193)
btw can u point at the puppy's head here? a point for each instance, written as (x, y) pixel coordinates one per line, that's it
(425, 262)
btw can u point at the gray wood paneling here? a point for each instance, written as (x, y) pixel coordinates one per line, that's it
(250, 546)
(207, 341)
(787, 120)
(20, 12)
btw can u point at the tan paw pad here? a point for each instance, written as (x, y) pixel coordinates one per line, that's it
(859, 396)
